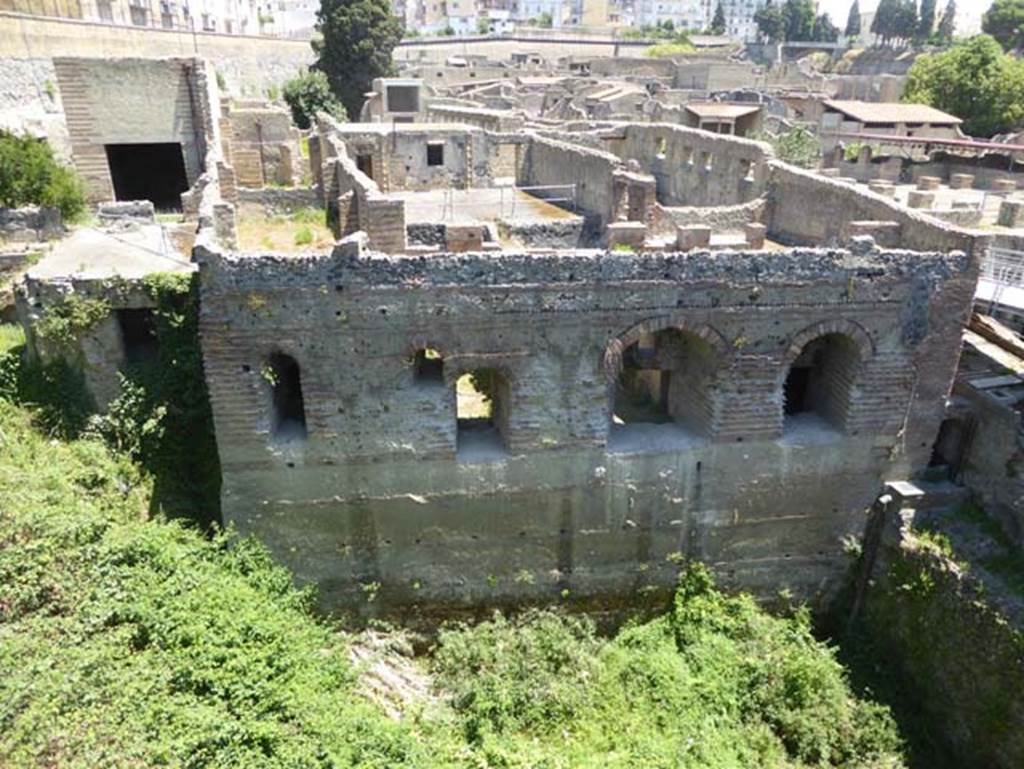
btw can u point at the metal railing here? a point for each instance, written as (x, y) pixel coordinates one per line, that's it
(484, 206)
(1004, 269)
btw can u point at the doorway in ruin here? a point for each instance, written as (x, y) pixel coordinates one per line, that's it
(138, 335)
(666, 381)
(287, 407)
(154, 172)
(820, 383)
(481, 407)
(364, 162)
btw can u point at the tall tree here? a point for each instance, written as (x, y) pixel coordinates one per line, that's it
(718, 23)
(974, 80)
(853, 20)
(884, 23)
(906, 21)
(947, 25)
(798, 20)
(1005, 22)
(824, 30)
(926, 24)
(769, 22)
(354, 46)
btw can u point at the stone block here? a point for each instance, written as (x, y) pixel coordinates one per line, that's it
(631, 234)
(920, 199)
(461, 237)
(693, 236)
(882, 187)
(1011, 213)
(1004, 185)
(884, 233)
(831, 173)
(928, 183)
(755, 233)
(127, 210)
(961, 181)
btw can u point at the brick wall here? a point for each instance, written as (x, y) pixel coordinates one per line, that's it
(128, 101)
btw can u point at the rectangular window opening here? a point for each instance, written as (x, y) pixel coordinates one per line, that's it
(435, 154)
(481, 415)
(138, 335)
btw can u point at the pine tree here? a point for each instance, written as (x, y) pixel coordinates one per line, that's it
(884, 23)
(853, 20)
(906, 21)
(926, 24)
(947, 25)
(718, 23)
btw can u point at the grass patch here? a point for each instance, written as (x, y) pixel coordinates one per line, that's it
(666, 50)
(305, 229)
(133, 642)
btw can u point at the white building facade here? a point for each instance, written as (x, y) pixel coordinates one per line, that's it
(684, 14)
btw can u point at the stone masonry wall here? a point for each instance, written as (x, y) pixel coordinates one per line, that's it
(693, 167)
(380, 493)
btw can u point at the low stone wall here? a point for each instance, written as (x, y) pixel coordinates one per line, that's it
(29, 224)
(805, 207)
(719, 218)
(280, 200)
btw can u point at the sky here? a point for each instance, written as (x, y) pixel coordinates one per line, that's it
(968, 11)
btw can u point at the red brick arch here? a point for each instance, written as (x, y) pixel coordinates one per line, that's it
(848, 328)
(613, 352)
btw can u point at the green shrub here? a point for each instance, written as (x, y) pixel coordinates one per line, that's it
(309, 94)
(715, 683)
(128, 642)
(303, 236)
(799, 147)
(64, 322)
(31, 176)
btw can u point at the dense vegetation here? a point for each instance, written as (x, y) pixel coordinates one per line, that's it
(31, 176)
(974, 80)
(127, 639)
(1005, 22)
(308, 94)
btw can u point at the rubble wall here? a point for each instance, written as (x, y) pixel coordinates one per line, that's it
(377, 497)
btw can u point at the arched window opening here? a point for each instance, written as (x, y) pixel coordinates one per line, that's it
(428, 367)
(288, 412)
(666, 381)
(820, 383)
(481, 404)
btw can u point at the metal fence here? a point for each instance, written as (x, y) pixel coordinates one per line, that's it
(502, 202)
(1004, 269)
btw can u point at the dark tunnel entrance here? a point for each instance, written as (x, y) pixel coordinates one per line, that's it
(154, 172)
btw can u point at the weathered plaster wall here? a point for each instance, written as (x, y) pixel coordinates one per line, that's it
(250, 65)
(549, 162)
(378, 493)
(693, 167)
